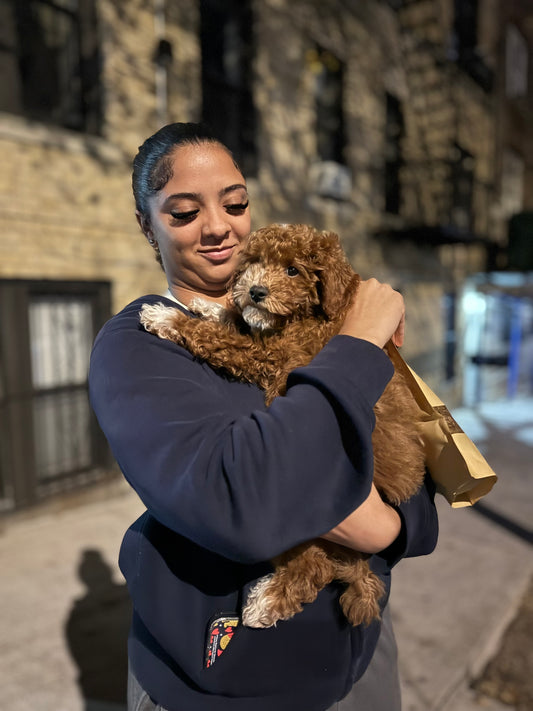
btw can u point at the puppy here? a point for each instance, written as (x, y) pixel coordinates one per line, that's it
(288, 298)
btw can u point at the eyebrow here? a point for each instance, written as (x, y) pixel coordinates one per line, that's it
(197, 196)
(231, 188)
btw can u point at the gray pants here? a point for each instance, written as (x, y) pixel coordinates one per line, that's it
(379, 687)
(377, 690)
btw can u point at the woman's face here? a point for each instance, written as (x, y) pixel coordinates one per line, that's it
(200, 221)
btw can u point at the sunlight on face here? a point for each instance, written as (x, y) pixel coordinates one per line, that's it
(200, 220)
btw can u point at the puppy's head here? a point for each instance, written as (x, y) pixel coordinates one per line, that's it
(290, 272)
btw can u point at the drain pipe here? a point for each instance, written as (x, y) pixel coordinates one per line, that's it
(162, 59)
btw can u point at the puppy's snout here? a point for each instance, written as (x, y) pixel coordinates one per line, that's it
(258, 293)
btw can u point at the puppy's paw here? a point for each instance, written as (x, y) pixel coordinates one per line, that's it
(157, 317)
(359, 612)
(207, 309)
(360, 603)
(264, 608)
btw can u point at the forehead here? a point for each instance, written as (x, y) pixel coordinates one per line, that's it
(207, 163)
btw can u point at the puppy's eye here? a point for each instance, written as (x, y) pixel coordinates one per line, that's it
(292, 271)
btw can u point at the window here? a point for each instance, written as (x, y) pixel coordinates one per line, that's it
(48, 435)
(394, 132)
(516, 63)
(226, 36)
(328, 72)
(466, 25)
(49, 56)
(465, 41)
(462, 172)
(512, 182)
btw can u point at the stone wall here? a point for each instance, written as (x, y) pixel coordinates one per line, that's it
(66, 210)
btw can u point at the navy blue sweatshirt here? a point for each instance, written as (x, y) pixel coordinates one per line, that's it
(229, 483)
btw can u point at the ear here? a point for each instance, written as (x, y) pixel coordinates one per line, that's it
(337, 279)
(144, 224)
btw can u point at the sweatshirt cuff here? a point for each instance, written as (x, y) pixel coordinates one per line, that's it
(419, 527)
(350, 363)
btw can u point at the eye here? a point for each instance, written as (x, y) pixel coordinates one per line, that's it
(237, 209)
(292, 271)
(184, 216)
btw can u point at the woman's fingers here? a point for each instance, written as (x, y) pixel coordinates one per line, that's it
(377, 314)
(399, 334)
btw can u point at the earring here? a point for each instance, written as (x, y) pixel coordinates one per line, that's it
(153, 243)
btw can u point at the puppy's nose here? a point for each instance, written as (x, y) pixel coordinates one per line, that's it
(258, 293)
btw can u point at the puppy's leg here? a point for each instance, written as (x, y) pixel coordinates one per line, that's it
(219, 344)
(164, 321)
(208, 309)
(300, 574)
(360, 600)
(203, 339)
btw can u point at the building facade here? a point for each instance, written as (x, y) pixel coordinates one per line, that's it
(379, 119)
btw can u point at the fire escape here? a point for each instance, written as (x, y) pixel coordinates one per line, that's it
(438, 171)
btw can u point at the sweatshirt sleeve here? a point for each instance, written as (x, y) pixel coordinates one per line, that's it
(240, 479)
(420, 526)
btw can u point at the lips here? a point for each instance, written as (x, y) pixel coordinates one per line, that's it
(218, 255)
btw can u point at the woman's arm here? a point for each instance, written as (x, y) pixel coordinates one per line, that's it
(407, 531)
(212, 463)
(372, 527)
(375, 526)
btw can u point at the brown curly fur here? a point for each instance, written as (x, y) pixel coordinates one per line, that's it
(306, 285)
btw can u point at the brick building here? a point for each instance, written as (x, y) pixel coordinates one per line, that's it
(379, 119)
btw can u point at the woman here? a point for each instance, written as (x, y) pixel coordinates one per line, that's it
(228, 483)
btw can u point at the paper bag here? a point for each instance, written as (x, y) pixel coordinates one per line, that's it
(459, 470)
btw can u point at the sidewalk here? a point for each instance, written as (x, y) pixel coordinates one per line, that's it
(451, 609)
(63, 604)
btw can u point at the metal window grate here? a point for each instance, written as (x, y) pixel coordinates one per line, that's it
(61, 429)
(60, 340)
(55, 77)
(60, 337)
(49, 439)
(227, 45)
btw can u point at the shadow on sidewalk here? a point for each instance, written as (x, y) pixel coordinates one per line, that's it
(505, 522)
(97, 632)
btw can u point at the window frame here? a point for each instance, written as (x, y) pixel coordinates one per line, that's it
(76, 103)
(231, 89)
(330, 122)
(394, 158)
(19, 485)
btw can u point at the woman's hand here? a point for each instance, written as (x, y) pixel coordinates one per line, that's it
(371, 528)
(377, 314)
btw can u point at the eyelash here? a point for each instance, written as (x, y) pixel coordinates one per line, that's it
(240, 207)
(186, 216)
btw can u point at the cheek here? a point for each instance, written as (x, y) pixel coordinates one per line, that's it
(244, 227)
(173, 241)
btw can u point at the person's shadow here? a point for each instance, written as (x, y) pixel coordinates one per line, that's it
(97, 632)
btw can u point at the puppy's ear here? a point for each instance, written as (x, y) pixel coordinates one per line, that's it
(337, 280)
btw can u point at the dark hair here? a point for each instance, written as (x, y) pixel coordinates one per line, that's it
(152, 166)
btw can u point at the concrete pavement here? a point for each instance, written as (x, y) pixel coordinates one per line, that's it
(451, 608)
(64, 608)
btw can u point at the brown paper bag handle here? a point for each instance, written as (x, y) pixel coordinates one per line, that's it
(459, 470)
(424, 396)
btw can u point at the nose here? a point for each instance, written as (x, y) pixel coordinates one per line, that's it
(215, 224)
(258, 293)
